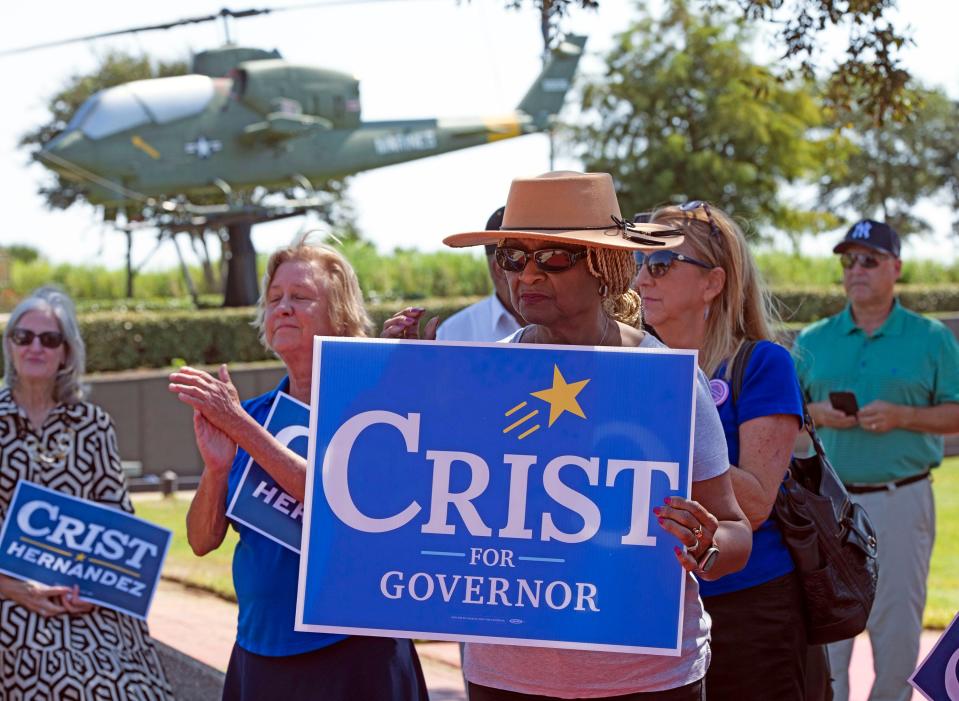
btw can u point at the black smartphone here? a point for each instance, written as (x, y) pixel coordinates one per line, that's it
(844, 402)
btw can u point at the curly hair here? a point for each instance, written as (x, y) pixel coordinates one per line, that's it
(615, 270)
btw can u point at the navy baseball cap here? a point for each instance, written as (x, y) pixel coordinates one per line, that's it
(494, 223)
(871, 234)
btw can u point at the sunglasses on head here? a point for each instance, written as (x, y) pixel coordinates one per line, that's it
(658, 263)
(867, 260)
(48, 339)
(547, 260)
(693, 205)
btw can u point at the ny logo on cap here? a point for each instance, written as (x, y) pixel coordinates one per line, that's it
(861, 230)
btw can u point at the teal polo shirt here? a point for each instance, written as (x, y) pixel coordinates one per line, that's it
(909, 360)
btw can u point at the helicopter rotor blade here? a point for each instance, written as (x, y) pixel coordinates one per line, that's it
(135, 30)
(225, 12)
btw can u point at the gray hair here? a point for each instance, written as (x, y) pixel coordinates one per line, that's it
(68, 389)
(348, 315)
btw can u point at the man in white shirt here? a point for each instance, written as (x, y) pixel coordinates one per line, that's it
(492, 318)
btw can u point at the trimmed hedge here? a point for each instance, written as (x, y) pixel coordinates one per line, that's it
(155, 339)
(808, 304)
(126, 340)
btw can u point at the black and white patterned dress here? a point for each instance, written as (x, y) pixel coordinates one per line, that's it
(100, 655)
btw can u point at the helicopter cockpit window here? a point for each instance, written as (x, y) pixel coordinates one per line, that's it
(144, 101)
(174, 98)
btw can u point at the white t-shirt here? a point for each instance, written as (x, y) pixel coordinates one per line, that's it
(586, 674)
(485, 321)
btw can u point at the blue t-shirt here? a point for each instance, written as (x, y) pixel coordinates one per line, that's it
(265, 573)
(769, 387)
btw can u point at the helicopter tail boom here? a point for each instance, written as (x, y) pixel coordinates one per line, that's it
(545, 98)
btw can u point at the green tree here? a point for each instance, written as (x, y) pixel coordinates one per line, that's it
(891, 168)
(870, 77)
(682, 113)
(21, 253)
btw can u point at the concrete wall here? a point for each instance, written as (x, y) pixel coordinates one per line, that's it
(153, 426)
(155, 429)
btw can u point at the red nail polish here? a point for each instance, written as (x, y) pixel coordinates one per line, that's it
(657, 509)
(666, 500)
(660, 521)
(677, 550)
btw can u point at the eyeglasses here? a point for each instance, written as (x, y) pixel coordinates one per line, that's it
(547, 260)
(658, 263)
(867, 260)
(48, 339)
(693, 205)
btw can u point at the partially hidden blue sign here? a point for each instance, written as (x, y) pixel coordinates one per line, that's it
(259, 502)
(496, 493)
(59, 540)
(937, 677)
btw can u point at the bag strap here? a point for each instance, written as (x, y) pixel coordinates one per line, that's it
(738, 372)
(738, 368)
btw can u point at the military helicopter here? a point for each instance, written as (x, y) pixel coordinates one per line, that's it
(246, 120)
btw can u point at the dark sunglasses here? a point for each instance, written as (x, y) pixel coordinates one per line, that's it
(658, 263)
(48, 339)
(693, 205)
(866, 260)
(547, 260)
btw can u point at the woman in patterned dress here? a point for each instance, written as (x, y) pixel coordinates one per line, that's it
(53, 644)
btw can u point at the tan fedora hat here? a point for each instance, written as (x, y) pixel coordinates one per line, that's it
(573, 208)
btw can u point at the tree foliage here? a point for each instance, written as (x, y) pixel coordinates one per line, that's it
(682, 113)
(891, 168)
(551, 13)
(870, 78)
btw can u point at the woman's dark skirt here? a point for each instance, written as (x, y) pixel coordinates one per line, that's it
(354, 668)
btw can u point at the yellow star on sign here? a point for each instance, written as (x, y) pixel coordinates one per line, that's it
(561, 396)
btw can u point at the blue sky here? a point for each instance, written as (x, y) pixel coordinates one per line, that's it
(416, 58)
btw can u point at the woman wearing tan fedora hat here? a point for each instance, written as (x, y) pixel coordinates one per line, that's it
(569, 262)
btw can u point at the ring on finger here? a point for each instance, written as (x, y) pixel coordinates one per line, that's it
(698, 531)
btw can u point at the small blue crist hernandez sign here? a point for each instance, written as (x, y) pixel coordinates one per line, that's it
(496, 493)
(59, 540)
(259, 502)
(936, 677)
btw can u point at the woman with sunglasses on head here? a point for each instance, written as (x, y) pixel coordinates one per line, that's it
(55, 644)
(707, 294)
(568, 261)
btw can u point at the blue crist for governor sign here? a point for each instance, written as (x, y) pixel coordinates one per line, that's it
(259, 502)
(937, 677)
(496, 493)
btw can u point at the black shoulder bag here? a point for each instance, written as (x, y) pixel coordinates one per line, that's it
(830, 538)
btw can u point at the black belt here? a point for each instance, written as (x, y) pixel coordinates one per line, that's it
(886, 486)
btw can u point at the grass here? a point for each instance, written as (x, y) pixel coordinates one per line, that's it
(943, 600)
(213, 572)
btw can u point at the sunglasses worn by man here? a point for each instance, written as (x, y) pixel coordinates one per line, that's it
(866, 260)
(658, 263)
(547, 260)
(48, 339)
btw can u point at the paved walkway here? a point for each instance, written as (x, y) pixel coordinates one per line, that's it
(204, 626)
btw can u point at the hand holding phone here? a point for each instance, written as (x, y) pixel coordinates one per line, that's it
(844, 402)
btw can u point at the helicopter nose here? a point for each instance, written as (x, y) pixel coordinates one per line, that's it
(69, 154)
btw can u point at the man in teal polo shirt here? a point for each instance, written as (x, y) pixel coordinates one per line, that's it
(904, 372)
